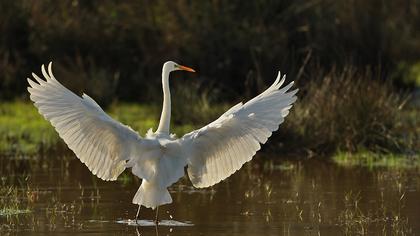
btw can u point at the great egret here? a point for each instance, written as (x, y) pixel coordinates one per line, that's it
(211, 153)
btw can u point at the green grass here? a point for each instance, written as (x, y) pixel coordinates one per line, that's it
(142, 117)
(411, 73)
(11, 201)
(354, 220)
(371, 160)
(23, 130)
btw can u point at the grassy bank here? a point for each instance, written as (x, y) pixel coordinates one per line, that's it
(372, 160)
(23, 130)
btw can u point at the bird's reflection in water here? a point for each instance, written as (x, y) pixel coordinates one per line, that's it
(143, 225)
(138, 231)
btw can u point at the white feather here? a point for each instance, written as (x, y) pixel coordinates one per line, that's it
(97, 140)
(235, 137)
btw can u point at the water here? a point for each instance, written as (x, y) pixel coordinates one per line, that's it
(266, 197)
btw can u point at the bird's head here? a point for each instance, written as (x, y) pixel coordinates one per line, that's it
(170, 66)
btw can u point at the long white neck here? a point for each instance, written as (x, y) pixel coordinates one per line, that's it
(165, 117)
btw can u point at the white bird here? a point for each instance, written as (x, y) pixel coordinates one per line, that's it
(211, 153)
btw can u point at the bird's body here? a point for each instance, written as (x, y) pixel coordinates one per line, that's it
(165, 156)
(211, 153)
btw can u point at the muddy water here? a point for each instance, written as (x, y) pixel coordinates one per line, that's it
(266, 197)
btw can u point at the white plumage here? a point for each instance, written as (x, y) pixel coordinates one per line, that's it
(211, 153)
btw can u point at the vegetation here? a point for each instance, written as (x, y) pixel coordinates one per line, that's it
(343, 56)
(372, 160)
(354, 220)
(350, 110)
(23, 130)
(13, 201)
(113, 49)
(340, 112)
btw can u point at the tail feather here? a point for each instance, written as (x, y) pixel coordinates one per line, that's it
(151, 196)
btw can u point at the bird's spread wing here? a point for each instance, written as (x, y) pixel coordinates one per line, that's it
(100, 142)
(217, 150)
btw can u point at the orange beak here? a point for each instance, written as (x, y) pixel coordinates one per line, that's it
(186, 68)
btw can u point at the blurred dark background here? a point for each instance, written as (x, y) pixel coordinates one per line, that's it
(114, 50)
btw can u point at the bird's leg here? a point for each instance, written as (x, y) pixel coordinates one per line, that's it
(137, 215)
(156, 217)
(137, 231)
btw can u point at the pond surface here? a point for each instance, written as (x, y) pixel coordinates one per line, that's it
(268, 196)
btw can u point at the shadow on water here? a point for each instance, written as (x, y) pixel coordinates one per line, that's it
(53, 195)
